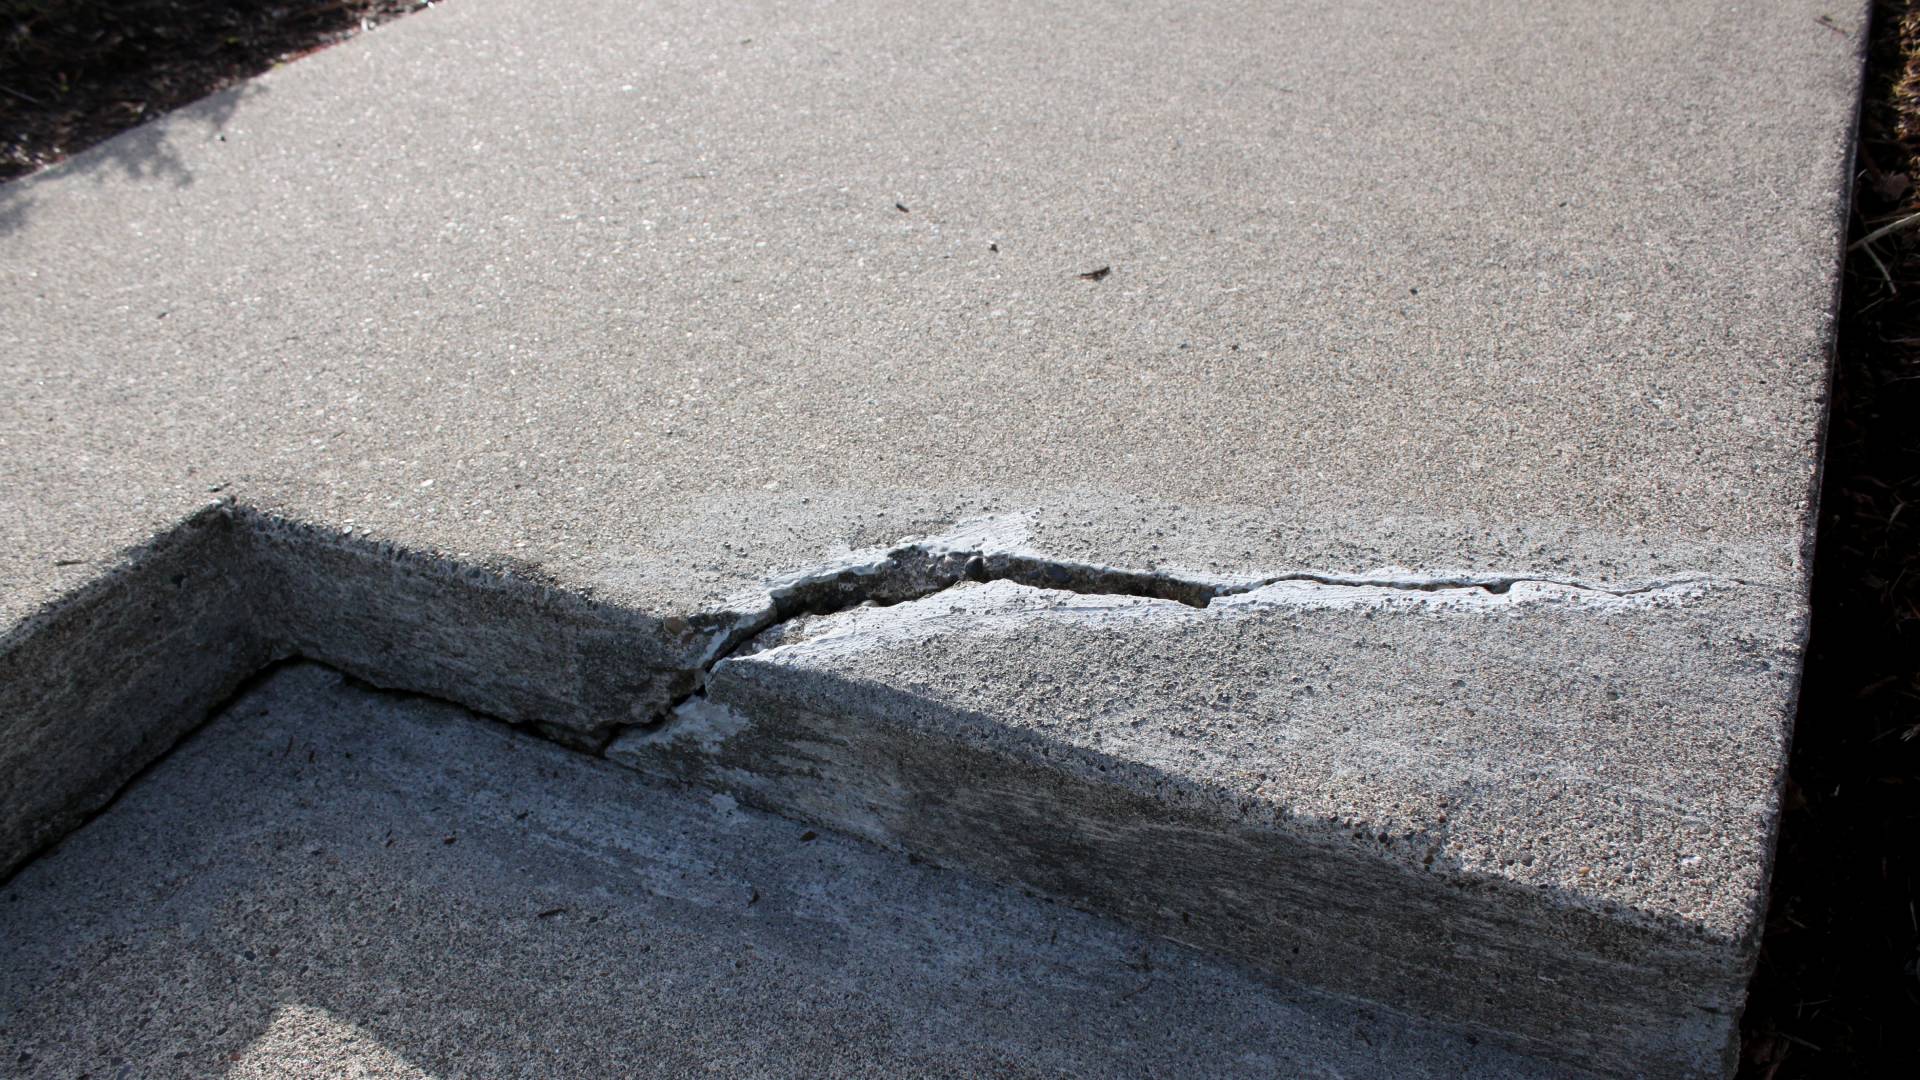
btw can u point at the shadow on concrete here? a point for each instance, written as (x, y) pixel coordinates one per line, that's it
(148, 154)
(1297, 928)
(328, 879)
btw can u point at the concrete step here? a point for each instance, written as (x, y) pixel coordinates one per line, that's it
(1291, 476)
(1546, 811)
(1536, 808)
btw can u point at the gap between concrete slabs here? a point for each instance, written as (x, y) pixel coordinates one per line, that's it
(1396, 881)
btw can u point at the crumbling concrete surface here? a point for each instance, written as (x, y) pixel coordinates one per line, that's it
(1550, 808)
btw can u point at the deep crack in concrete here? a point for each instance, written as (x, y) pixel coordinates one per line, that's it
(234, 588)
(920, 569)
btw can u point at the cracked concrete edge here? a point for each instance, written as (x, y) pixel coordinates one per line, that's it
(180, 621)
(780, 728)
(996, 548)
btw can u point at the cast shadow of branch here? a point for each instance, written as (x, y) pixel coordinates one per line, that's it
(150, 153)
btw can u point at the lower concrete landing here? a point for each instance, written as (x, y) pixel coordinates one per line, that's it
(333, 881)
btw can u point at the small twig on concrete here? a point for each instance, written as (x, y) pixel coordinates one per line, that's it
(1907, 222)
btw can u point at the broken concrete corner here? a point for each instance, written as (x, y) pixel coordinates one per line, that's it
(1584, 881)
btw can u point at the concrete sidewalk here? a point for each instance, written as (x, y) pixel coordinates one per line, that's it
(1432, 395)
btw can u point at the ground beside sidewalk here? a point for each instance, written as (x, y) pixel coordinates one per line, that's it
(74, 72)
(1838, 989)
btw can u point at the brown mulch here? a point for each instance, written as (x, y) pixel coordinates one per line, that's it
(74, 72)
(1838, 990)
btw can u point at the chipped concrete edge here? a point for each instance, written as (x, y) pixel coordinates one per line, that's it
(232, 588)
(107, 680)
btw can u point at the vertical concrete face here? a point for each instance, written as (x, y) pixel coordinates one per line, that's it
(514, 649)
(109, 678)
(1385, 795)
(96, 687)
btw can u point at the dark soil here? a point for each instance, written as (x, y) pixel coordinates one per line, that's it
(1838, 990)
(74, 72)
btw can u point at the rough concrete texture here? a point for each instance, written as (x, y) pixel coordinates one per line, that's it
(391, 887)
(98, 686)
(630, 299)
(1550, 808)
(94, 690)
(537, 356)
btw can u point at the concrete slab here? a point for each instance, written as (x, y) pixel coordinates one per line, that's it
(392, 887)
(630, 297)
(537, 358)
(1551, 810)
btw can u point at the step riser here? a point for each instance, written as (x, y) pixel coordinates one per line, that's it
(233, 590)
(575, 670)
(1570, 985)
(92, 693)
(101, 686)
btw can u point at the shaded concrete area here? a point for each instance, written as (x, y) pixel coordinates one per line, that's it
(332, 881)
